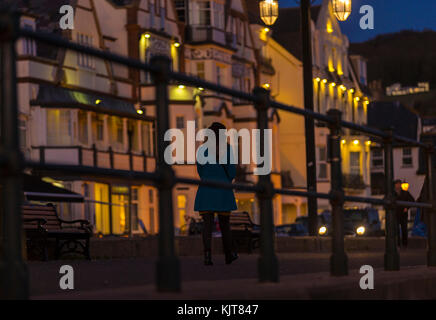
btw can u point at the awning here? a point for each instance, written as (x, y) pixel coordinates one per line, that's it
(59, 97)
(37, 190)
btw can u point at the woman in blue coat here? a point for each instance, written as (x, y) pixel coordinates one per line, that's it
(211, 200)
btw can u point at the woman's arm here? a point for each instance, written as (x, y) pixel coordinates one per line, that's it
(231, 169)
(200, 170)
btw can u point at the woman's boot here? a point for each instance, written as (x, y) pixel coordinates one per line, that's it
(230, 257)
(208, 258)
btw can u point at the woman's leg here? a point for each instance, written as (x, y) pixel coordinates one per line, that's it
(207, 231)
(224, 221)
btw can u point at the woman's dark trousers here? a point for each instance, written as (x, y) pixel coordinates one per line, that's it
(402, 218)
(208, 222)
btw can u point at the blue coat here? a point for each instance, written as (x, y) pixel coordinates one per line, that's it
(213, 198)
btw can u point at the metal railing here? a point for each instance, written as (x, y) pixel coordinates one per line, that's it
(13, 273)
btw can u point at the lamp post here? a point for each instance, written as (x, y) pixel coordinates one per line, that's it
(269, 14)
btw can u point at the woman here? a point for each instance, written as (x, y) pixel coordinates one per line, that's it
(210, 200)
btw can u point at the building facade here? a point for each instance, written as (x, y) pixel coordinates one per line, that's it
(339, 82)
(78, 110)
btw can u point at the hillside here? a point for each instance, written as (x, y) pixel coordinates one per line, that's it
(407, 57)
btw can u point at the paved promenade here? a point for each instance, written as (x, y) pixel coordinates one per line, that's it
(302, 276)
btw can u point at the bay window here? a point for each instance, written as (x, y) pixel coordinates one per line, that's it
(134, 135)
(116, 130)
(147, 138)
(97, 127)
(59, 131)
(82, 120)
(204, 13)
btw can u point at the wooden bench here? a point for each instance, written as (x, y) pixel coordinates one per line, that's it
(243, 230)
(41, 222)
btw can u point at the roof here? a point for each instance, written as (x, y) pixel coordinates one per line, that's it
(36, 189)
(287, 29)
(54, 96)
(382, 115)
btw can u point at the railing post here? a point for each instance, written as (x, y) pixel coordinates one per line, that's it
(168, 269)
(338, 259)
(14, 282)
(267, 263)
(391, 259)
(94, 155)
(431, 188)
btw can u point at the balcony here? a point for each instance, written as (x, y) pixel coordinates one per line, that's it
(92, 157)
(353, 181)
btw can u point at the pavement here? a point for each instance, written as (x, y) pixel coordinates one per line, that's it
(302, 276)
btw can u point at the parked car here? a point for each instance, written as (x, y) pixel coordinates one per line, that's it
(301, 227)
(359, 222)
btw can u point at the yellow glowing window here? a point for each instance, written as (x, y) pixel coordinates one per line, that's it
(329, 27)
(181, 201)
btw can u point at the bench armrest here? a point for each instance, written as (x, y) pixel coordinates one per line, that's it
(84, 224)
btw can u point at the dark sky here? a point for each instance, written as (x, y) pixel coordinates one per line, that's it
(389, 16)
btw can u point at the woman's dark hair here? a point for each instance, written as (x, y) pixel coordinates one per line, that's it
(216, 127)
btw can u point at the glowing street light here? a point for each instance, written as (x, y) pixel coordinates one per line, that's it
(269, 11)
(341, 9)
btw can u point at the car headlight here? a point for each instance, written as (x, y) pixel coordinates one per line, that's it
(322, 231)
(360, 230)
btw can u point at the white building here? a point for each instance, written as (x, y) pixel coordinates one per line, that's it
(79, 110)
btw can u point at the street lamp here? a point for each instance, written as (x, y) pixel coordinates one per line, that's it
(341, 9)
(269, 11)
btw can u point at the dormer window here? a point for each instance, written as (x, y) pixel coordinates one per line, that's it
(206, 13)
(85, 60)
(181, 10)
